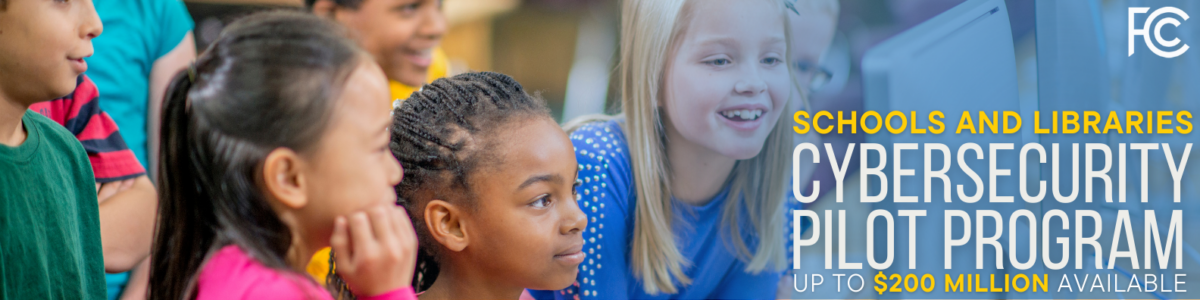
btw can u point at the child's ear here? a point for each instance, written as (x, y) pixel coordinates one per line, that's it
(324, 8)
(330, 9)
(283, 178)
(447, 225)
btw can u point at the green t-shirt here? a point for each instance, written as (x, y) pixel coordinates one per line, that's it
(49, 217)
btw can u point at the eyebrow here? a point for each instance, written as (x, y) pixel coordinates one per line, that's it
(540, 178)
(729, 41)
(725, 41)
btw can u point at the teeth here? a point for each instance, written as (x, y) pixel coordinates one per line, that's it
(744, 114)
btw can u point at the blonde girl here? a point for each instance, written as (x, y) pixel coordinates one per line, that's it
(686, 191)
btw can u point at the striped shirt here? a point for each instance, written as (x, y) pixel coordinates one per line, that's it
(80, 113)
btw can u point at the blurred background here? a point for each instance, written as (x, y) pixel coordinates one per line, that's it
(563, 49)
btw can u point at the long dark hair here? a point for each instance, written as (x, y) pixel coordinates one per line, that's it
(268, 82)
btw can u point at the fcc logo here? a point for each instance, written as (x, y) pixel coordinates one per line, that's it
(1150, 27)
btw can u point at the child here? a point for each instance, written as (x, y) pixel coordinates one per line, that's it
(126, 196)
(687, 189)
(489, 183)
(48, 207)
(275, 145)
(402, 35)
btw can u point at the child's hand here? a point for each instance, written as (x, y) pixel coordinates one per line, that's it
(107, 190)
(376, 250)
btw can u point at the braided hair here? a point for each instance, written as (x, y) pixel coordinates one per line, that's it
(441, 135)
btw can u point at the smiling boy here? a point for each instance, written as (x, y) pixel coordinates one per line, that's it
(48, 206)
(402, 36)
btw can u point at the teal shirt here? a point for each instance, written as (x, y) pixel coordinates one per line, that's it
(136, 34)
(49, 217)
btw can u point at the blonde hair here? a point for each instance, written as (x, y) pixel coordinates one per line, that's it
(759, 183)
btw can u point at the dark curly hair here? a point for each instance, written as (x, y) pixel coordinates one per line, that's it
(441, 135)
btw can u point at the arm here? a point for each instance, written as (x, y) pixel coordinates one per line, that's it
(160, 75)
(127, 225)
(139, 282)
(127, 198)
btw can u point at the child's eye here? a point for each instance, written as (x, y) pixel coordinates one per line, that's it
(408, 8)
(718, 62)
(543, 201)
(771, 61)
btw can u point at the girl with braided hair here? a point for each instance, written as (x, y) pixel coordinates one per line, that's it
(489, 182)
(275, 145)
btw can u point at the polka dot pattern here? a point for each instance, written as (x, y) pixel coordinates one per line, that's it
(596, 145)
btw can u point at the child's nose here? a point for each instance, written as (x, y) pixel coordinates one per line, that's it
(574, 221)
(91, 27)
(434, 26)
(752, 85)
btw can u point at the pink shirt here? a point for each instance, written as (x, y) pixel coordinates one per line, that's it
(231, 274)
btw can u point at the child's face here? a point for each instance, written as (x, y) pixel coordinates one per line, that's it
(42, 47)
(400, 34)
(526, 224)
(812, 32)
(352, 167)
(727, 83)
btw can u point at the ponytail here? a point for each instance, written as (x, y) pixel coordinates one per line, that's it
(269, 82)
(191, 233)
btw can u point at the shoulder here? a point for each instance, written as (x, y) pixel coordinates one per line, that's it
(602, 145)
(55, 135)
(75, 110)
(232, 274)
(605, 169)
(606, 197)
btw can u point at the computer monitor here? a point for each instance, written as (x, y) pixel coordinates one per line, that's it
(962, 60)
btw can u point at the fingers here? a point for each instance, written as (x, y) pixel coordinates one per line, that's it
(362, 236)
(406, 243)
(383, 227)
(126, 184)
(340, 243)
(107, 190)
(404, 228)
(376, 249)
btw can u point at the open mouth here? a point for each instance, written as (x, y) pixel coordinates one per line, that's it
(421, 58)
(78, 64)
(742, 115)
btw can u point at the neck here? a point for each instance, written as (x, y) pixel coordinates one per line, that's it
(697, 173)
(12, 134)
(467, 282)
(300, 253)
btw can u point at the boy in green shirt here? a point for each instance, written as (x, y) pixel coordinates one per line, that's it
(48, 208)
